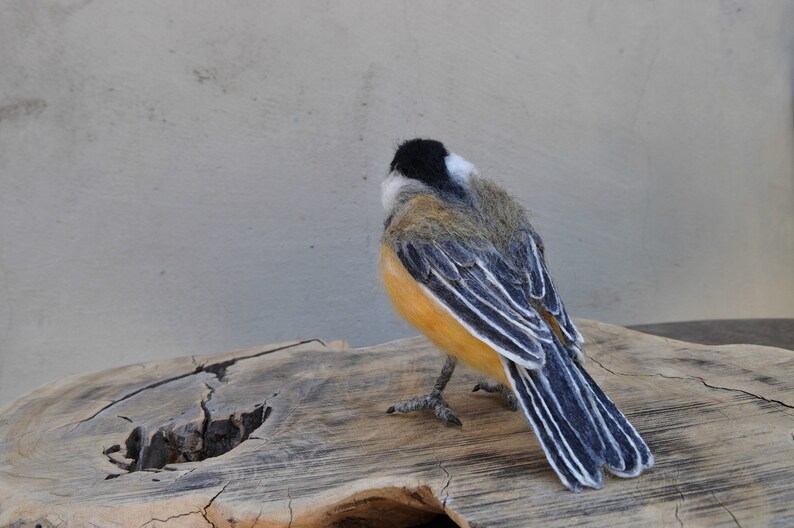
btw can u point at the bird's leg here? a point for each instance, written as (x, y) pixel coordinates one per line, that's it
(434, 400)
(488, 386)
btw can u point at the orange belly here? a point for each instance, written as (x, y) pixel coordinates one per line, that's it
(419, 308)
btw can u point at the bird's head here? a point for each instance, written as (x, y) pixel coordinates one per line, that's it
(426, 162)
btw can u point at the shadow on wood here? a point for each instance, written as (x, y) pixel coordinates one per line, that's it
(296, 435)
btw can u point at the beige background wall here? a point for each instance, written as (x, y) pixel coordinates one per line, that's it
(190, 177)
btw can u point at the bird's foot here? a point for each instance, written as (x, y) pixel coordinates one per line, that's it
(510, 398)
(428, 401)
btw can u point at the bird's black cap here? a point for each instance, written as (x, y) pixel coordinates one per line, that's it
(425, 160)
(422, 159)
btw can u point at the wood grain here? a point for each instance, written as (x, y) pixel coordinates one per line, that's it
(720, 421)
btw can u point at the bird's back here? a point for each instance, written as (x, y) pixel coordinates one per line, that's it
(497, 217)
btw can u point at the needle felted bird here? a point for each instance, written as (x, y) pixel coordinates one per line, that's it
(462, 263)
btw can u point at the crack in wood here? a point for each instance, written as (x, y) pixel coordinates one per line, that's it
(186, 473)
(727, 510)
(155, 519)
(218, 369)
(205, 508)
(444, 489)
(284, 419)
(289, 505)
(205, 423)
(261, 509)
(693, 378)
(677, 518)
(677, 505)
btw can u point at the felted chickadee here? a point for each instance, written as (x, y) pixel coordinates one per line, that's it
(462, 263)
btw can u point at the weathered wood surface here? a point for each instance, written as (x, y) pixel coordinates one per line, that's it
(719, 419)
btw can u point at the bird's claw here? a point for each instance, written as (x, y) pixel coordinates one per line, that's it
(427, 402)
(510, 398)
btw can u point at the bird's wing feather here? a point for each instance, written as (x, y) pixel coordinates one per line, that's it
(527, 251)
(498, 298)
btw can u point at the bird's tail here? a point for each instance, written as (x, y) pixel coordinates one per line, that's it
(578, 426)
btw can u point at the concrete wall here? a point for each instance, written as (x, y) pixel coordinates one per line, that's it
(190, 177)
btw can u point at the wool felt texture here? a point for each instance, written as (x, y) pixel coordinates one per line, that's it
(462, 263)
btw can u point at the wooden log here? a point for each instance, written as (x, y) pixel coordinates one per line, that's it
(295, 435)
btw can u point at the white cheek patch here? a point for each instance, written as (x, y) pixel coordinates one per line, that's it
(459, 168)
(390, 188)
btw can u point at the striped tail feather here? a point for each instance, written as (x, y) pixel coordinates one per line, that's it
(578, 426)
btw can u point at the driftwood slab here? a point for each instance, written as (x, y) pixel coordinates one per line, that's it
(296, 435)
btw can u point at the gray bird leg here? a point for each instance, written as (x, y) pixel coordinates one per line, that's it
(434, 400)
(488, 386)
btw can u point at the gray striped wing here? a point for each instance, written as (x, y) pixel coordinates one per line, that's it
(497, 298)
(502, 299)
(527, 251)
